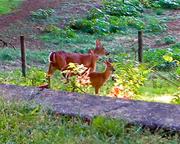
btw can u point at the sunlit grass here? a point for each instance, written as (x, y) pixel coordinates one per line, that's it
(31, 123)
(7, 6)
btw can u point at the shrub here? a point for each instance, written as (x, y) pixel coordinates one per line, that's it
(112, 17)
(163, 59)
(169, 39)
(169, 4)
(35, 77)
(154, 25)
(159, 11)
(67, 32)
(42, 13)
(129, 78)
(176, 99)
(118, 8)
(172, 4)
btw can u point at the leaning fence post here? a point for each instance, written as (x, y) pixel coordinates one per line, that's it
(140, 46)
(23, 56)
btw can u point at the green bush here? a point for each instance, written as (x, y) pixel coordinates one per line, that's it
(176, 99)
(168, 4)
(9, 54)
(154, 25)
(103, 25)
(35, 77)
(172, 4)
(169, 39)
(130, 77)
(111, 17)
(157, 58)
(160, 11)
(42, 13)
(67, 32)
(118, 8)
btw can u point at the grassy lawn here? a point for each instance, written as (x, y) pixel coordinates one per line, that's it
(7, 6)
(29, 123)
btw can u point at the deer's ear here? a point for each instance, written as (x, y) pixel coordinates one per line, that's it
(105, 62)
(98, 43)
(91, 51)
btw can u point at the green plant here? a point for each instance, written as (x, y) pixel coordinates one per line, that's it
(162, 59)
(169, 39)
(172, 4)
(176, 99)
(42, 13)
(112, 17)
(75, 71)
(168, 4)
(35, 77)
(118, 8)
(129, 78)
(67, 32)
(154, 25)
(159, 11)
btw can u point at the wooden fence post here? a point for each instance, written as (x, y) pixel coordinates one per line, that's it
(140, 46)
(23, 56)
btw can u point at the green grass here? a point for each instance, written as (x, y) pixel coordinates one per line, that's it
(8, 54)
(29, 123)
(7, 6)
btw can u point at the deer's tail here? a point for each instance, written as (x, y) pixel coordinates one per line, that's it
(52, 57)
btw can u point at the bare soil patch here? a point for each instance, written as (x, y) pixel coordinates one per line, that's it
(25, 9)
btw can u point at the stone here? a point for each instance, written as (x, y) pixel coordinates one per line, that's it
(150, 114)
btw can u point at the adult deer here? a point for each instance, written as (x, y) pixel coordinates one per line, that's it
(59, 60)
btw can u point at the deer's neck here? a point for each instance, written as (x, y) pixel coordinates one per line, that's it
(107, 73)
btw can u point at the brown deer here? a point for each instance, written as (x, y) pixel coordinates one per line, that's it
(59, 60)
(97, 79)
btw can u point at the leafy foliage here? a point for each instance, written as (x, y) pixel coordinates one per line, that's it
(129, 78)
(169, 39)
(42, 13)
(163, 59)
(120, 8)
(172, 4)
(117, 16)
(67, 33)
(35, 77)
(154, 25)
(176, 99)
(168, 4)
(111, 17)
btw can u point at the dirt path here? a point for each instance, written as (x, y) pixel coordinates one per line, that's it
(24, 11)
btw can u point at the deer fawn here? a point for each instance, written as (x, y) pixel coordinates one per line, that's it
(97, 79)
(60, 59)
